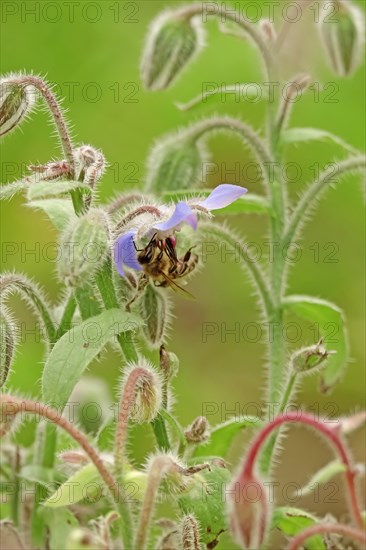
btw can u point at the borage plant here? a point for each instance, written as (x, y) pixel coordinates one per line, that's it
(117, 266)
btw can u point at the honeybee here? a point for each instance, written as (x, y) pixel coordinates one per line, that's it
(160, 262)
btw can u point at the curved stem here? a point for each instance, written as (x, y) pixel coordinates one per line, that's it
(330, 434)
(56, 112)
(313, 192)
(322, 528)
(254, 268)
(234, 16)
(259, 147)
(12, 405)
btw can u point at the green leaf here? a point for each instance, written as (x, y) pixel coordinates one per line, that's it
(33, 295)
(46, 189)
(292, 521)
(60, 523)
(248, 91)
(329, 319)
(204, 499)
(8, 191)
(247, 204)
(59, 211)
(86, 483)
(77, 348)
(37, 474)
(83, 484)
(323, 475)
(223, 435)
(296, 135)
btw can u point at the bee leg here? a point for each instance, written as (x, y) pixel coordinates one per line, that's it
(140, 288)
(185, 263)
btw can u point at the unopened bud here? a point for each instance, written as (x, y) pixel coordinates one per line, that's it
(175, 163)
(8, 338)
(84, 247)
(156, 312)
(342, 29)
(199, 431)
(190, 533)
(171, 44)
(268, 30)
(16, 102)
(249, 511)
(309, 358)
(90, 164)
(148, 392)
(90, 405)
(169, 363)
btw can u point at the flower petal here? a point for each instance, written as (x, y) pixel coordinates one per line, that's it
(125, 252)
(182, 213)
(222, 196)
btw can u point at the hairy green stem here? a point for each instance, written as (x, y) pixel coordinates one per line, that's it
(238, 246)
(246, 25)
(67, 316)
(313, 192)
(106, 288)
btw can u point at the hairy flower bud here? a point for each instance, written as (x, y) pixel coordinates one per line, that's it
(169, 363)
(310, 358)
(342, 30)
(90, 404)
(190, 533)
(175, 163)
(16, 102)
(249, 511)
(84, 247)
(199, 430)
(8, 338)
(156, 312)
(171, 44)
(147, 392)
(90, 164)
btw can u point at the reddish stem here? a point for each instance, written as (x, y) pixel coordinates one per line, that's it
(337, 528)
(56, 111)
(125, 405)
(331, 434)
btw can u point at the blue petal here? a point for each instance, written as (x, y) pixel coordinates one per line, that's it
(182, 213)
(125, 253)
(222, 196)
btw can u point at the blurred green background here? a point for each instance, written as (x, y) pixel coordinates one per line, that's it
(95, 66)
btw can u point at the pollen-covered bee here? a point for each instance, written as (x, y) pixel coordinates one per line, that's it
(160, 262)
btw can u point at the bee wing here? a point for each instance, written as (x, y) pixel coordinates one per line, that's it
(178, 289)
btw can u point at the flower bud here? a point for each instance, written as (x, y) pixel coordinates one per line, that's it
(190, 533)
(175, 163)
(90, 404)
(8, 337)
(249, 511)
(199, 431)
(148, 392)
(342, 31)
(171, 44)
(16, 102)
(309, 358)
(84, 247)
(90, 164)
(169, 363)
(156, 312)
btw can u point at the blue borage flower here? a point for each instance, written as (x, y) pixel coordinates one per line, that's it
(164, 223)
